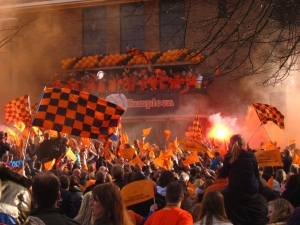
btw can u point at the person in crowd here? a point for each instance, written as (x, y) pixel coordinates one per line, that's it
(45, 193)
(76, 190)
(241, 167)
(186, 204)
(107, 206)
(279, 211)
(84, 216)
(280, 177)
(294, 169)
(294, 218)
(287, 160)
(68, 201)
(292, 192)
(216, 161)
(219, 184)
(164, 179)
(4, 146)
(117, 173)
(172, 213)
(212, 211)
(267, 175)
(100, 179)
(73, 84)
(185, 178)
(152, 83)
(242, 202)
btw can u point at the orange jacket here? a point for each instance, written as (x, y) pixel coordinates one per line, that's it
(170, 215)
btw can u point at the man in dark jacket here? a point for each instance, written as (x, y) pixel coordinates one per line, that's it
(45, 192)
(68, 201)
(117, 173)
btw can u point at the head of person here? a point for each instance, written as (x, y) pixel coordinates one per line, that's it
(280, 176)
(174, 192)
(39, 166)
(213, 206)
(294, 169)
(107, 204)
(101, 176)
(237, 143)
(279, 210)
(76, 172)
(219, 174)
(193, 172)
(45, 189)
(117, 172)
(2, 136)
(64, 182)
(165, 178)
(286, 152)
(184, 177)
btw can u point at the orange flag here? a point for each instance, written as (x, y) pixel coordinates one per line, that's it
(85, 142)
(296, 159)
(167, 132)
(268, 158)
(37, 131)
(210, 155)
(136, 160)
(270, 183)
(192, 146)
(52, 133)
(159, 162)
(176, 146)
(146, 131)
(151, 154)
(49, 165)
(13, 136)
(20, 126)
(192, 158)
(127, 153)
(137, 191)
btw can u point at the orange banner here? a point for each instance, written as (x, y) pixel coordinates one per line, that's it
(136, 192)
(127, 153)
(192, 146)
(268, 158)
(146, 131)
(192, 158)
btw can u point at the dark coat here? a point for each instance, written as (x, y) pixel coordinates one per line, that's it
(52, 216)
(243, 173)
(245, 210)
(287, 161)
(67, 204)
(120, 183)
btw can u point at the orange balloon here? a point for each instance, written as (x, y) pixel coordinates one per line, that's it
(107, 64)
(84, 58)
(62, 61)
(80, 62)
(84, 65)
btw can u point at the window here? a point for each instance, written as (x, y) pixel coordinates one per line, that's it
(172, 24)
(94, 30)
(132, 26)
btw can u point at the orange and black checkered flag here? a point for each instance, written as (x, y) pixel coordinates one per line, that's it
(77, 113)
(18, 110)
(269, 113)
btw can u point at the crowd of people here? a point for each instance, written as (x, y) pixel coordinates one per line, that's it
(228, 189)
(143, 81)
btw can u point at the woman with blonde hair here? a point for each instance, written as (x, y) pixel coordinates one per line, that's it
(279, 211)
(240, 165)
(107, 206)
(84, 216)
(212, 210)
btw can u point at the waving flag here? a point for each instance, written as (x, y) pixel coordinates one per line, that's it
(18, 110)
(77, 113)
(269, 113)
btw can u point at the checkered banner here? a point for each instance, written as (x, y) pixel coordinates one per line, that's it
(77, 113)
(269, 113)
(18, 110)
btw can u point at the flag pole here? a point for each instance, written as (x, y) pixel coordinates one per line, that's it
(254, 134)
(30, 127)
(267, 132)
